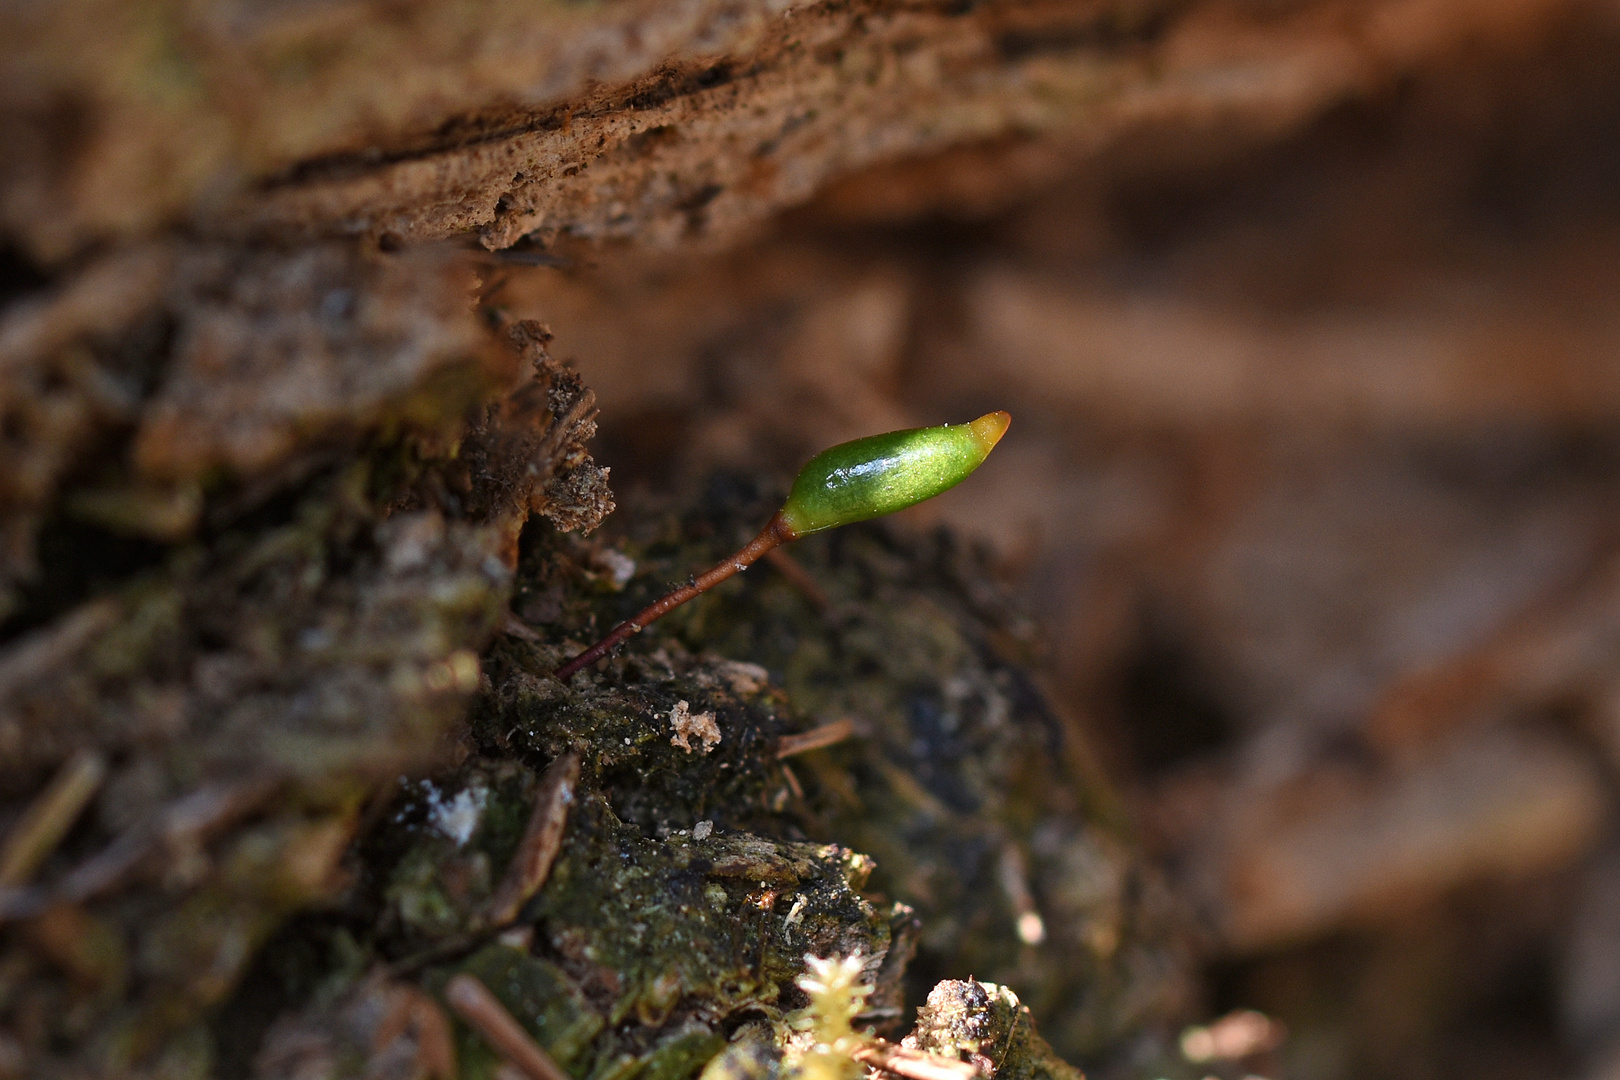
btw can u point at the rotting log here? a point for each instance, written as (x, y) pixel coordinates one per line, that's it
(652, 122)
(267, 461)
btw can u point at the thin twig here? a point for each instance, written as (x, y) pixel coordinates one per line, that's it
(535, 258)
(541, 841)
(484, 1012)
(525, 874)
(513, 626)
(914, 1064)
(445, 948)
(412, 1012)
(496, 284)
(49, 817)
(182, 823)
(814, 739)
(793, 784)
(32, 657)
(775, 532)
(436, 1045)
(799, 578)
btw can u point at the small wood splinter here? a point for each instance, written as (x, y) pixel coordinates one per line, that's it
(49, 817)
(542, 839)
(817, 737)
(850, 482)
(484, 1012)
(914, 1064)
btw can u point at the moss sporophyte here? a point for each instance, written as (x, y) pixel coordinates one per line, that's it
(853, 481)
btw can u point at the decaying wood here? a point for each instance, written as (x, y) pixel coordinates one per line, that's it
(268, 438)
(537, 850)
(651, 121)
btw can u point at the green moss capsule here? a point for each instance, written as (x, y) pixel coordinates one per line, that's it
(853, 481)
(877, 475)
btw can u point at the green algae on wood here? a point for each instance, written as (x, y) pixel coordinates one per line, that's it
(638, 947)
(690, 885)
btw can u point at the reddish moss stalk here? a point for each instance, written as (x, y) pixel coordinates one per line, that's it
(775, 532)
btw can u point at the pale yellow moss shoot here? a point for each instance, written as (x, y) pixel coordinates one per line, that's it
(837, 997)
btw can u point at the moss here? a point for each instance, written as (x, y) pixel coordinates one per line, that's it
(647, 939)
(448, 842)
(987, 1024)
(682, 1052)
(681, 923)
(693, 879)
(257, 686)
(965, 789)
(751, 1055)
(543, 999)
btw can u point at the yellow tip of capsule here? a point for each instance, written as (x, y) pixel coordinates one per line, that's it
(989, 428)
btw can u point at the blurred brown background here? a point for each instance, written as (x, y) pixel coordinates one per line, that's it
(1312, 483)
